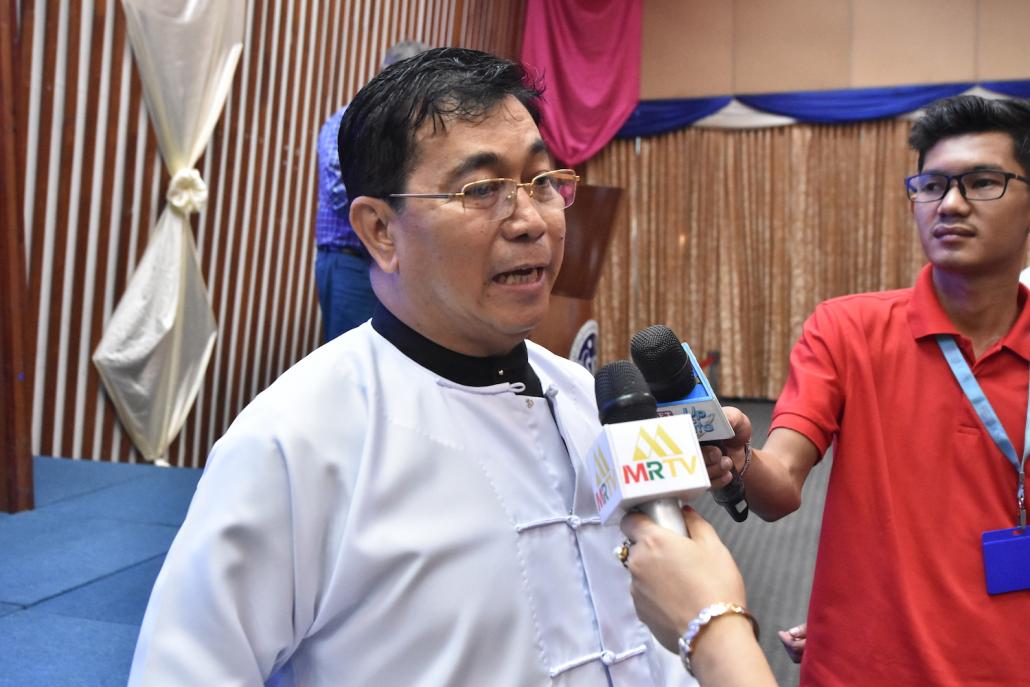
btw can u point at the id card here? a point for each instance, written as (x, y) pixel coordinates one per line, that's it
(1007, 560)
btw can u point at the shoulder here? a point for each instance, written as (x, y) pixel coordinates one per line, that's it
(336, 382)
(860, 310)
(331, 128)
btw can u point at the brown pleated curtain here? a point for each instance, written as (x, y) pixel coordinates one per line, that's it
(731, 237)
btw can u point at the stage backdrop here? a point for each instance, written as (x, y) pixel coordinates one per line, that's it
(94, 185)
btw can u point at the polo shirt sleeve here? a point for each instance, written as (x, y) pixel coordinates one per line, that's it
(813, 397)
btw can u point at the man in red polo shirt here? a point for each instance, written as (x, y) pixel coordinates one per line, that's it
(899, 595)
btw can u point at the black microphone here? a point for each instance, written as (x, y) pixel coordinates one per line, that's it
(623, 396)
(673, 375)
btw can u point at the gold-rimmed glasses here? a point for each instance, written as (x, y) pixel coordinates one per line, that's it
(555, 189)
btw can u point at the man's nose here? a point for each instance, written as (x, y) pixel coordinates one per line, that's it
(954, 199)
(526, 218)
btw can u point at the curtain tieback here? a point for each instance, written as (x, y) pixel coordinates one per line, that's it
(187, 192)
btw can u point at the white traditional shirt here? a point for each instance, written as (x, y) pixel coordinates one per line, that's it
(367, 521)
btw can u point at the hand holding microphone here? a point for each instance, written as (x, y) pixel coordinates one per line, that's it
(679, 386)
(640, 460)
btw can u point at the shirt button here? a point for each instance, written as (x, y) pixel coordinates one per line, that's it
(529, 403)
(607, 658)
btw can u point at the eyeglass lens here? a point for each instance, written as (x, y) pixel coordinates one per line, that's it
(979, 185)
(552, 189)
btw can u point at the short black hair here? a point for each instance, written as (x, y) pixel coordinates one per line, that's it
(970, 114)
(377, 134)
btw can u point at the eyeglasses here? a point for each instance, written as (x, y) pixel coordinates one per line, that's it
(977, 185)
(555, 190)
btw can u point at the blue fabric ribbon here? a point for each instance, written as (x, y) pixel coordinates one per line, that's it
(653, 117)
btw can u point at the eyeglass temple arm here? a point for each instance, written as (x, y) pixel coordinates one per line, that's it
(425, 195)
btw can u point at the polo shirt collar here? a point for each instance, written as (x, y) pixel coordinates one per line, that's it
(926, 317)
(462, 369)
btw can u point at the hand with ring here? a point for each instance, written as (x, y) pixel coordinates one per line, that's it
(622, 551)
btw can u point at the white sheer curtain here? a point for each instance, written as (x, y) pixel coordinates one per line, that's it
(157, 344)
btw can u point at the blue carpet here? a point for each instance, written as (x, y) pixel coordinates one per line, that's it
(119, 598)
(8, 608)
(57, 479)
(46, 554)
(159, 496)
(42, 649)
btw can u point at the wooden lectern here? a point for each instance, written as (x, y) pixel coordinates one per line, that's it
(589, 224)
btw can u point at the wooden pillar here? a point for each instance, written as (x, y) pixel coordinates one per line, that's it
(15, 390)
(588, 231)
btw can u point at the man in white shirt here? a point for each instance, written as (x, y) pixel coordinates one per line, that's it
(406, 505)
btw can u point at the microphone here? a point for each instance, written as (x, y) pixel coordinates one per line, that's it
(640, 460)
(680, 387)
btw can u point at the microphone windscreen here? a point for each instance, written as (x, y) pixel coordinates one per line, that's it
(658, 353)
(622, 394)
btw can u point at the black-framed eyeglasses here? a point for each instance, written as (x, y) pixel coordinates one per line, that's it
(981, 184)
(555, 189)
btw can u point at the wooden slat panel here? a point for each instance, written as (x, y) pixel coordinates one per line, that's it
(92, 183)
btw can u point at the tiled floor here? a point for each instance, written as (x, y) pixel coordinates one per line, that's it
(76, 572)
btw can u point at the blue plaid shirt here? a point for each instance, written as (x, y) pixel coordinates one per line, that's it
(332, 226)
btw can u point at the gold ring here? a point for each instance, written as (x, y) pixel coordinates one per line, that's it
(621, 552)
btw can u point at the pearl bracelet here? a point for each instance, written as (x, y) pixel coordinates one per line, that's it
(698, 624)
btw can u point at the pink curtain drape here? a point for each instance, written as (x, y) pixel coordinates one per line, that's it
(588, 53)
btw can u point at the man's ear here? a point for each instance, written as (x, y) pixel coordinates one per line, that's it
(370, 218)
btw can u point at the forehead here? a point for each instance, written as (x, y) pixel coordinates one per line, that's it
(506, 131)
(966, 151)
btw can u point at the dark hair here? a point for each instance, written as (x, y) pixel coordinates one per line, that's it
(377, 134)
(970, 114)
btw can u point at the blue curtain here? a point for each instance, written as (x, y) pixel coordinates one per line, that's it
(1014, 89)
(851, 105)
(652, 117)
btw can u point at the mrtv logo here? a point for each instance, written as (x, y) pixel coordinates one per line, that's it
(633, 462)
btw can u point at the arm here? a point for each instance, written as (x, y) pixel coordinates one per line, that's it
(222, 608)
(776, 472)
(674, 578)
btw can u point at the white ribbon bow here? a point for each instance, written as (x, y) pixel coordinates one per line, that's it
(187, 192)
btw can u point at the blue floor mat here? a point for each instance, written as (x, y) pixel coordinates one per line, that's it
(41, 649)
(56, 479)
(119, 598)
(46, 554)
(159, 496)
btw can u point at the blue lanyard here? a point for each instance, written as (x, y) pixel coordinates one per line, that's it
(966, 379)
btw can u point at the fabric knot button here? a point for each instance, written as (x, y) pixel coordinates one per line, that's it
(574, 521)
(607, 658)
(187, 192)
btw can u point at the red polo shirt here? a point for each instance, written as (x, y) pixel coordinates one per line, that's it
(899, 596)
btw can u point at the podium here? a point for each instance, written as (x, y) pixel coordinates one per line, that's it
(568, 329)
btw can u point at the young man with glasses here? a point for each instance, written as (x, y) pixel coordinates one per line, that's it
(900, 382)
(406, 506)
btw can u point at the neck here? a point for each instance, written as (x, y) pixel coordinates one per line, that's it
(982, 307)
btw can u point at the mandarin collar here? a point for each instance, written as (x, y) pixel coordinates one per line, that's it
(462, 369)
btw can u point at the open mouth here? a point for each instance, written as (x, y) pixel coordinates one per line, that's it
(525, 275)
